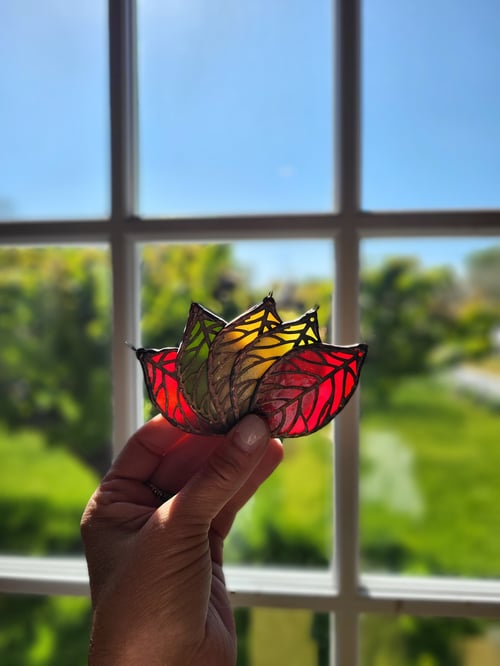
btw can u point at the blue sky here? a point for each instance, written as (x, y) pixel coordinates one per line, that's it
(236, 105)
(431, 104)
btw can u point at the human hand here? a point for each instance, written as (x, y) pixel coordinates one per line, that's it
(156, 579)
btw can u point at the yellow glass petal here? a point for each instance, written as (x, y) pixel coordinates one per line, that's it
(237, 335)
(259, 356)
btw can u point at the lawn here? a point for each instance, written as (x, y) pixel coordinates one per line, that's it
(289, 520)
(429, 490)
(429, 504)
(43, 491)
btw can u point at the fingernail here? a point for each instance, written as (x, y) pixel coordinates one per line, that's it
(250, 432)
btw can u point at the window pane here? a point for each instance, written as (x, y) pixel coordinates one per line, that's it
(236, 108)
(55, 412)
(408, 641)
(54, 112)
(38, 631)
(277, 637)
(431, 101)
(430, 406)
(289, 520)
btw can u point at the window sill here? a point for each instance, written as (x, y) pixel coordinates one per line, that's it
(283, 587)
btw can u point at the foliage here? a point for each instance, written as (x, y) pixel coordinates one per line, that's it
(173, 276)
(42, 492)
(429, 457)
(478, 312)
(483, 269)
(55, 355)
(289, 520)
(418, 641)
(44, 631)
(446, 447)
(404, 316)
(294, 299)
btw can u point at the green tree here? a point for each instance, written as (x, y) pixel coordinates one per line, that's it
(483, 273)
(55, 324)
(173, 276)
(478, 316)
(405, 315)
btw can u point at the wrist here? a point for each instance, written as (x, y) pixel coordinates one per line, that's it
(112, 644)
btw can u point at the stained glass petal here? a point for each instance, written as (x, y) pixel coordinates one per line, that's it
(239, 333)
(308, 387)
(266, 350)
(192, 360)
(159, 368)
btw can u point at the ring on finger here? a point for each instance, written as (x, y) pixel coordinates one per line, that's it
(158, 492)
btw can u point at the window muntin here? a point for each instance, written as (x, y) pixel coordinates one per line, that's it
(430, 76)
(55, 374)
(54, 132)
(429, 429)
(235, 107)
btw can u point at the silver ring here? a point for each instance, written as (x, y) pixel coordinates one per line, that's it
(158, 492)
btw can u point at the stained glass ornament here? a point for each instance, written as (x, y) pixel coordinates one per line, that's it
(192, 362)
(234, 339)
(254, 364)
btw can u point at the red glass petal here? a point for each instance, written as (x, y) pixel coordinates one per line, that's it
(159, 368)
(255, 359)
(308, 387)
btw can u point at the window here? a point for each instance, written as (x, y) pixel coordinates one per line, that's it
(340, 154)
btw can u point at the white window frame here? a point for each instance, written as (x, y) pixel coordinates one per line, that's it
(342, 590)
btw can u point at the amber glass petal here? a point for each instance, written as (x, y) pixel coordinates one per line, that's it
(306, 389)
(192, 360)
(239, 333)
(260, 355)
(158, 366)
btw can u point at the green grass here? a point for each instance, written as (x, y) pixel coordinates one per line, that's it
(289, 519)
(43, 491)
(429, 504)
(448, 448)
(429, 490)
(30, 468)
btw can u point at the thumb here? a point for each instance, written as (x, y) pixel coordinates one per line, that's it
(225, 471)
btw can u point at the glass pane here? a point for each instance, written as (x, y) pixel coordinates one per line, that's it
(236, 110)
(430, 89)
(277, 637)
(430, 406)
(227, 279)
(54, 133)
(55, 412)
(427, 641)
(43, 631)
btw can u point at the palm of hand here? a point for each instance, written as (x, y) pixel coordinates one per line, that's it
(156, 568)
